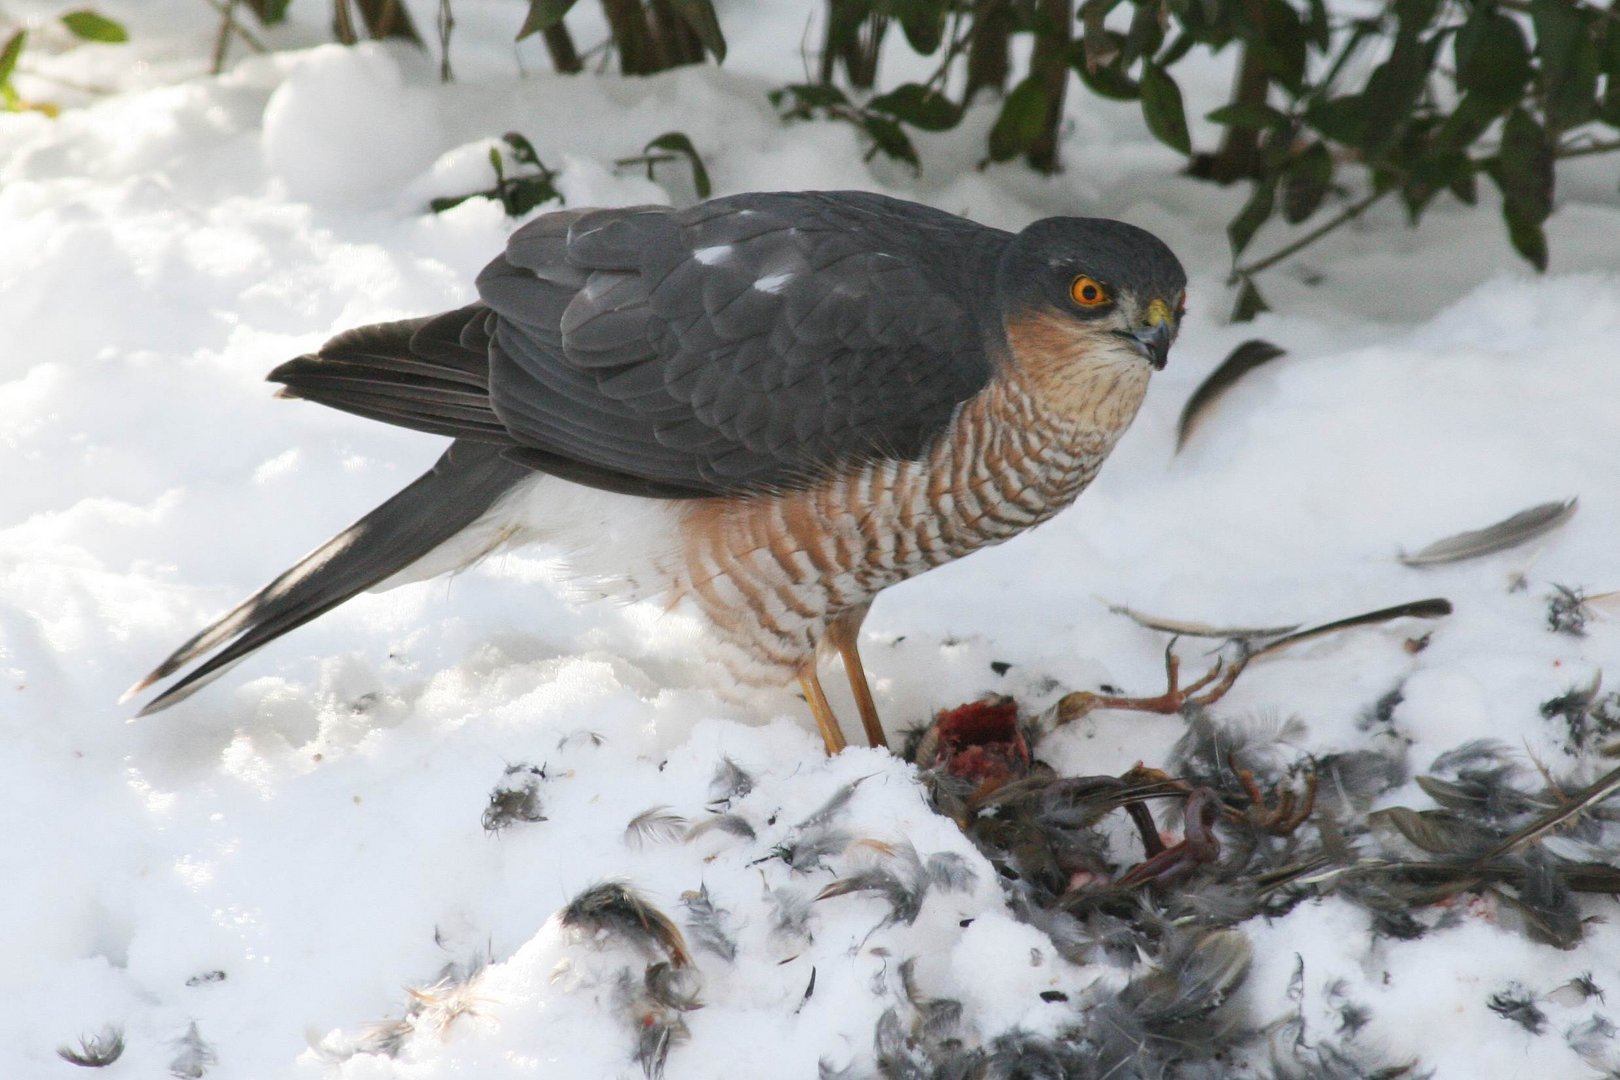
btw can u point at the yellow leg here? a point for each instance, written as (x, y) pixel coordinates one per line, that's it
(831, 734)
(843, 633)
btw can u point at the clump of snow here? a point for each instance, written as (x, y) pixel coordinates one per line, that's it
(344, 127)
(255, 878)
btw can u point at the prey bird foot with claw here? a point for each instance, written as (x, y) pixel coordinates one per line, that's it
(1210, 688)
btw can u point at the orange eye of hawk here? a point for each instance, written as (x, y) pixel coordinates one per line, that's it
(1087, 292)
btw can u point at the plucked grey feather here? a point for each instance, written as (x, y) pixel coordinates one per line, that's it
(192, 1057)
(656, 825)
(1510, 532)
(95, 1051)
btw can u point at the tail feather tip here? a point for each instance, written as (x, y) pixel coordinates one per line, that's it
(129, 695)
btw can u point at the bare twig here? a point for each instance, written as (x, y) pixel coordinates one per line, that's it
(1588, 149)
(248, 37)
(1343, 217)
(343, 23)
(560, 45)
(447, 23)
(957, 43)
(66, 84)
(222, 41)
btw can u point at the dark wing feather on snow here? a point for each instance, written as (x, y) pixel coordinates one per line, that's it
(746, 343)
(1510, 532)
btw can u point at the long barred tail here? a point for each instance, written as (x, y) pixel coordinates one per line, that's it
(460, 487)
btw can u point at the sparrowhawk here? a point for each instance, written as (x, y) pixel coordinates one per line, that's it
(768, 407)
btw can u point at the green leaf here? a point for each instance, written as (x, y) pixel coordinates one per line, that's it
(269, 12)
(919, 106)
(1525, 163)
(1306, 182)
(700, 16)
(1162, 108)
(1023, 116)
(1099, 47)
(1341, 119)
(1609, 108)
(1146, 32)
(1429, 174)
(1254, 214)
(1249, 302)
(525, 193)
(1106, 80)
(1247, 116)
(1279, 43)
(8, 55)
(1469, 121)
(522, 149)
(1610, 53)
(1569, 62)
(1416, 15)
(1527, 236)
(93, 27)
(676, 142)
(807, 96)
(543, 15)
(1493, 61)
(922, 21)
(1319, 25)
(888, 137)
(1178, 48)
(1523, 169)
(1464, 188)
(1393, 90)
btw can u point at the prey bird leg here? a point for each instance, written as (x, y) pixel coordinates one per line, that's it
(1206, 691)
(1171, 865)
(1146, 827)
(1290, 812)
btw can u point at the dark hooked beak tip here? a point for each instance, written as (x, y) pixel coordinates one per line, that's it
(1152, 341)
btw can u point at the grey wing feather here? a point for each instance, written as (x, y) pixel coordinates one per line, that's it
(757, 341)
(429, 374)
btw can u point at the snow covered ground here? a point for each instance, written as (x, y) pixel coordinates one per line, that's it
(246, 885)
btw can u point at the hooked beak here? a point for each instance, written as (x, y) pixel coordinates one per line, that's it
(1153, 338)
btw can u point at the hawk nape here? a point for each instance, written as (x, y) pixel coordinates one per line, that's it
(769, 407)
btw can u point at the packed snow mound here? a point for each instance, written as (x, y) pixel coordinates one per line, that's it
(345, 128)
